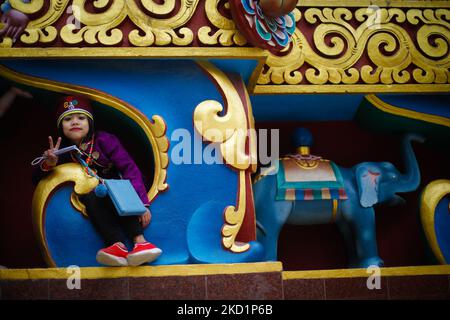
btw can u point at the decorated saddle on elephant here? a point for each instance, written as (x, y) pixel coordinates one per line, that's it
(309, 177)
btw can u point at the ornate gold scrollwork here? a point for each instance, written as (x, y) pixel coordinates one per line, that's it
(338, 47)
(158, 128)
(432, 194)
(156, 31)
(231, 132)
(27, 8)
(227, 35)
(68, 172)
(157, 23)
(231, 129)
(78, 205)
(161, 31)
(103, 27)
(234, 218)
(97, 25)
(41, 29)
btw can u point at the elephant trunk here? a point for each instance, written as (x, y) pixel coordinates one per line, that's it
(410, 180)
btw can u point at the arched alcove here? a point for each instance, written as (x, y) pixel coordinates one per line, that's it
(24, 131)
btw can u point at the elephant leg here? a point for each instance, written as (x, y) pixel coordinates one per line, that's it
(272, 223)
(271, 215)
(362, 223)
(348, 236)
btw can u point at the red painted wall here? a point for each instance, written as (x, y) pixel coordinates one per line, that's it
(24, 131)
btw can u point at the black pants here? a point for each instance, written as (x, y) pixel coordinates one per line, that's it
(107, 222)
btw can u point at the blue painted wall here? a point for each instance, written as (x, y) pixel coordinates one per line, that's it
(308, 107)
(171, 89)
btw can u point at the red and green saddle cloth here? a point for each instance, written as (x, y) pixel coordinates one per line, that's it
(312, 178)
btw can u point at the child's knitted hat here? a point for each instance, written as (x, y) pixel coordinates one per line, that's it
(73, 104)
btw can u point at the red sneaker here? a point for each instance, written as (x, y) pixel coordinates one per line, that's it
(143, 253)
(114, 256)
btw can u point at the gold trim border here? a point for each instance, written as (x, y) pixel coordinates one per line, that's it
(363, 273)
(214, 269)
(218, 53)
(351, 88)
(137, 272)
(433, 193)
(380, 3)
(144, 53)
(386, 107)
(135, 52)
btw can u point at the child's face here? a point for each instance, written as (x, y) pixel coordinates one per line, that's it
(75, 127)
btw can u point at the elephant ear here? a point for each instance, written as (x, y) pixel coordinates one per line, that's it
(368, 180)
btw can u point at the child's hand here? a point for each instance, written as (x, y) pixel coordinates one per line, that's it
(145, 218)
(52, 159)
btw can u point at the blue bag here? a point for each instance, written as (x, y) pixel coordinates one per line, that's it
(122, 193)
(124, 197)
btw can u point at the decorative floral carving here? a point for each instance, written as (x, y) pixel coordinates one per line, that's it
(279, 29)
(227, 33)
(345, 47)
(272, 33)
(156, 24)
(335, 53)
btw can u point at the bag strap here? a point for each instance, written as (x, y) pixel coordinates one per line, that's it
(88, 170)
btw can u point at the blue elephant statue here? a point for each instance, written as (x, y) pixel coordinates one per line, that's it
(303, 189)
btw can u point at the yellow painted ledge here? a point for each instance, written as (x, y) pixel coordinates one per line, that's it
(351, 88)
(381, 3)
(214, 269)
(378, 103)
(134, 52)
(363, 273)
(135, 272)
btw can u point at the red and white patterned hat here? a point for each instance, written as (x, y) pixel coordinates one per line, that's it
(73, 104)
